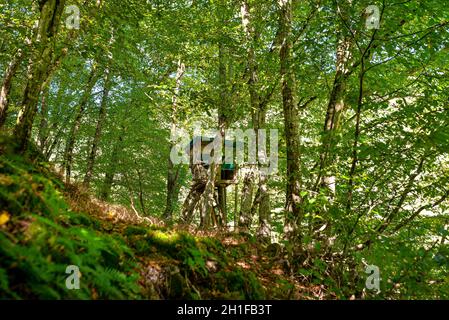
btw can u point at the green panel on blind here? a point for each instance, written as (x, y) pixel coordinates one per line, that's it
(228, 166)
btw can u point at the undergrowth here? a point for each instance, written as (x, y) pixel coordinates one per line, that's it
(43, 231)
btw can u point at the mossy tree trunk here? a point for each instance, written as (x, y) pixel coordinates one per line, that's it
(6, 85)
(43, 46)
(291, 125)
(43, 126)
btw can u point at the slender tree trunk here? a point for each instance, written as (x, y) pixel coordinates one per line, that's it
(172, 190)
(264, 230)
(355, 157)
(141, 198)
(245, 217)
(293, 197)
(52, 143)
(222, 201)
(43, 49)
(209, 202)
(172, 172)
(57, 127)
(70, 144)
(236, 216)
(101, 118)
(222, 125)
(112, 168)
(43, 126)
(6, 85)
(262, 200)
(335, 107)
(246, 208)
(261, 204)
(366, 56)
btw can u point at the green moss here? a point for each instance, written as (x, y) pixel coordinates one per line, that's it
(44, 236)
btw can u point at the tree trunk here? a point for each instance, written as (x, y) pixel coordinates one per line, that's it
(247, 209)
(365, 59)
(262, 201)
(56, 129)
(261, 204)
(172, 190)
(68, 151)
(43, 49)
(246, 212)
(236, 216)
(101, 118)
(43, 126)
(110, 172)
(6, 85)
(141, 199)
(293, 197)
(209, 202)
(223, 106)
(355, 145)
(172, 172)
(245, 217)
(264, 229)
(335, 109)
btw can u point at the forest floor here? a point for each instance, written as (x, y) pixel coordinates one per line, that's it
(47, 225)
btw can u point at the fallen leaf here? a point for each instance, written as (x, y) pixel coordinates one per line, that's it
(4, 218)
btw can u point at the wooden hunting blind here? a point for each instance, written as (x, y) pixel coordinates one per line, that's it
(228, 172)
